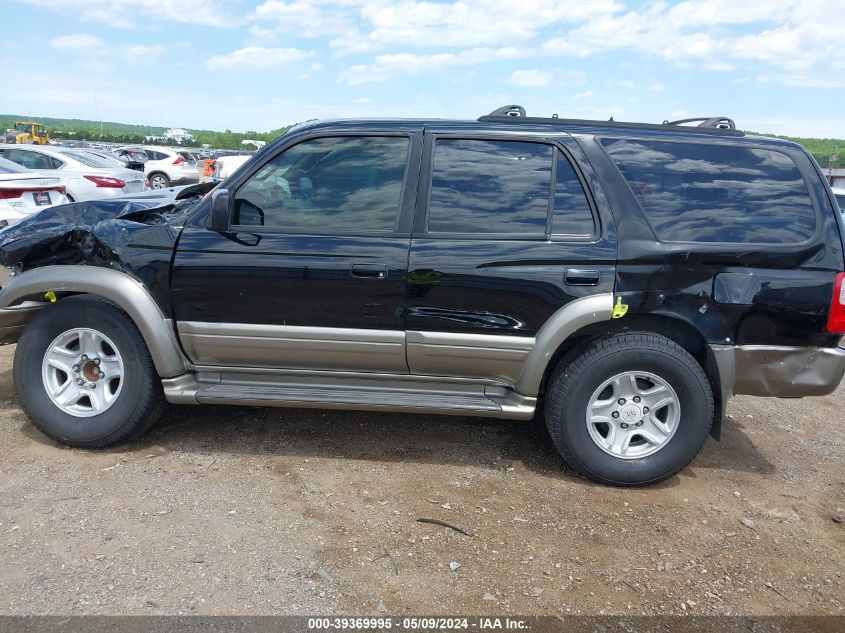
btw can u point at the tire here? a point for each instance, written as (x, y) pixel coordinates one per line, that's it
(585, 415)
(159, 180)
(127, 398)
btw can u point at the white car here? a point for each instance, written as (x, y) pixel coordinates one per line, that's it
(225, 166)
(84, 175)
(167, 166)
(24, 192)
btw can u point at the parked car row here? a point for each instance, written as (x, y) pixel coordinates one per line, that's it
(62, 173)
(85, 176)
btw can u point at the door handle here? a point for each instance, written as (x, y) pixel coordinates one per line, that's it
(369, 271)
(581, 277)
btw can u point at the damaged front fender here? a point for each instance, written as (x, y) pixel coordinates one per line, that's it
(134, 235)
(118, 249)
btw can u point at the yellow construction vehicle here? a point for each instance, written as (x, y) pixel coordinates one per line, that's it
(28, 132)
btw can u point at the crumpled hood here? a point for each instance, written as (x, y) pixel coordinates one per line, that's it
(95, 232)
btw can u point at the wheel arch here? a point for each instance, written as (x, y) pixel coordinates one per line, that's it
(676, 329)
(119, 288)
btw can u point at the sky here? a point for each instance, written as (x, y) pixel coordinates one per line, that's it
(772, 65)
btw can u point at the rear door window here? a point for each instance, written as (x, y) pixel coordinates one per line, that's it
(482, 187)
(572, 214)
(706, 192)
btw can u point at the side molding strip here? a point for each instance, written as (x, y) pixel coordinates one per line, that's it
(290, 346)
(468, 355)
(115, 286)
(562, 324)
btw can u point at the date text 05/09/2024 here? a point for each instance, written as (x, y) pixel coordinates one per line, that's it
(418, 624)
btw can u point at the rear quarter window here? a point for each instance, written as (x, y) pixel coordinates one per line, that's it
(697, 192)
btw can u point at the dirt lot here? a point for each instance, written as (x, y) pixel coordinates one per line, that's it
(274, 511)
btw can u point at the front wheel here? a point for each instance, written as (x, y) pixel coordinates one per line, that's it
(84, 375)
(629, 409)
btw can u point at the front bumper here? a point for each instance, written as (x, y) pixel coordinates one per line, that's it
(779, 371)
(14, 319)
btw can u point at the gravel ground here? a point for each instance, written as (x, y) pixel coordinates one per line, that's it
(225, 510)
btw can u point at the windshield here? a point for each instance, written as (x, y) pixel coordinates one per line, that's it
(840, 198)
(87, 159)
(8, 167)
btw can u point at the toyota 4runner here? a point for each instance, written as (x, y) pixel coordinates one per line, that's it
(623, 280)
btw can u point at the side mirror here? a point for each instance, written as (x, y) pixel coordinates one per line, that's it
(220, 210)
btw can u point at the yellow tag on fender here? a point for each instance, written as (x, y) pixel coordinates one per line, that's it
(619, 309)
(50, 296)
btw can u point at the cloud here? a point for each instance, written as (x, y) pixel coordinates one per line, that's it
(532, 78)
(422, 36)
(129, 13)
(141, 50)
(303, 18)
(712, 34)
(386, 66)
(586, 94)
(79, 42)
(358, 26)
(258, 57)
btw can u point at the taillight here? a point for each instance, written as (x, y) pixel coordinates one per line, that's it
(179, 160)
(11, 194)
(107, 181)
(836, 320)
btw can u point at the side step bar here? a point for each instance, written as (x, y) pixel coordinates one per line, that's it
(362, 392)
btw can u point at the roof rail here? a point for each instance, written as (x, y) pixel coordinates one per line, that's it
(707, 125)
(719, 122)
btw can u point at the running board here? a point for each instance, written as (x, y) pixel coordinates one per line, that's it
(354, 391)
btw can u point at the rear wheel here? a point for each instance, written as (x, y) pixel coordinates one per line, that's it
(629, 409)
(159, 181)
(84, 375)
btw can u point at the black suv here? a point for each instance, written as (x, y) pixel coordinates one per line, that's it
(624, 280)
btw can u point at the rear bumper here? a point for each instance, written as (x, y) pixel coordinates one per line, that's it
(783, 372)
(13, 320)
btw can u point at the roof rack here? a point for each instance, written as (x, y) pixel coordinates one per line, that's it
(516, 113)
(719, 122)
(509, 110)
